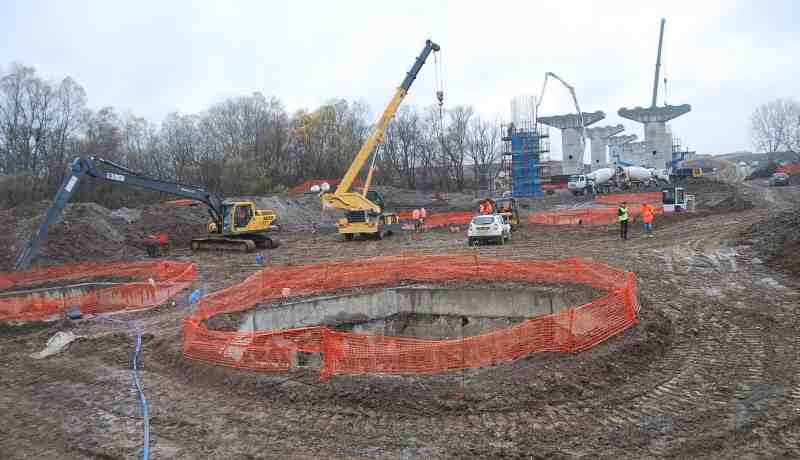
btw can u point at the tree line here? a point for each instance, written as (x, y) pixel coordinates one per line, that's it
(245, 145)
(775, 126)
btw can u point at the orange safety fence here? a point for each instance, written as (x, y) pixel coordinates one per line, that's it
(573, 329)
(182, 202)
(628, 198)
(41, 294)
(440, 219)
(789, 169)
(585, 216)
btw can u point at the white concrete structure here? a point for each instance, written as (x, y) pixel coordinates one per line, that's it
(572, 143)
(599, 137)
(656, 150)
(616, 146)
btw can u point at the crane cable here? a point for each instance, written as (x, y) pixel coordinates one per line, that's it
(439, 87)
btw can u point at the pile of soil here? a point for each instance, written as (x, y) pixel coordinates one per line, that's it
(88, 231)
(777, 239)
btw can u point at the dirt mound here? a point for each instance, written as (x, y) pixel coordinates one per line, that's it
(86, 231)
(778, 240)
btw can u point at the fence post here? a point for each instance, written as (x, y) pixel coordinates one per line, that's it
(630, 308)
(572, 329)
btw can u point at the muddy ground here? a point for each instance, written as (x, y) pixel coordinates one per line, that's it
(711, 371)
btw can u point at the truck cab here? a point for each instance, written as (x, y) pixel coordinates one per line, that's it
(578, 184)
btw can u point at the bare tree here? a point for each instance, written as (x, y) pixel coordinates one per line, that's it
(483, 149)
(454, 142)
(776, 125)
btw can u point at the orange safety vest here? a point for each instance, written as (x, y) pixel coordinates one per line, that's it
(648, 213)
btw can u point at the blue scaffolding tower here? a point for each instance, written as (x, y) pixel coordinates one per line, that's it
(522, 157)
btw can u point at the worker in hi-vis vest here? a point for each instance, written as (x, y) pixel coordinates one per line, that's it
(622, 216)
(648, 214)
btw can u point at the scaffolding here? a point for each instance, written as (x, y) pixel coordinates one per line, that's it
(526, 146)
(680, 153)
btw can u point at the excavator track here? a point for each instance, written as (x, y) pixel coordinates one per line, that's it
(223, 243)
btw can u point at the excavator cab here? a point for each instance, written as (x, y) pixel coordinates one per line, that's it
(242, 217)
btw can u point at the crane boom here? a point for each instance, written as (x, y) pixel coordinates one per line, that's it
(376, 137)
(658, 62)
(87, 166)
(571, 90)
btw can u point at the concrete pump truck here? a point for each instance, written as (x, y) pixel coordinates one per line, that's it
(364, 211)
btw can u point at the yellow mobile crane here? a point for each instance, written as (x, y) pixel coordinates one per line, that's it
(365, 211)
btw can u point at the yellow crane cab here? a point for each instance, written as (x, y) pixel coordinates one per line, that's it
(364, 211)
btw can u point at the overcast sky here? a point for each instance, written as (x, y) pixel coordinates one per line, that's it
(151, 58)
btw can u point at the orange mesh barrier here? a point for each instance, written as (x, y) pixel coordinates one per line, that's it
(159, 282)
(585, 216)
(182, 202)
(789, 169)
(628, 198)
(440, 219)
(572, 329)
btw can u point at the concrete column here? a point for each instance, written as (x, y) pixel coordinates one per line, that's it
(616, 146)
(599, 137)
(572, 145)
(657, 139)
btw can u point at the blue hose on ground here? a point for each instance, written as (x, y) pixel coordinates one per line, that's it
(142, 399)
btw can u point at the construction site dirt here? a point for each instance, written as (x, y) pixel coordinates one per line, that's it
(712, 370)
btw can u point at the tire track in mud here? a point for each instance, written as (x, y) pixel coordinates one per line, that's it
(720, 378)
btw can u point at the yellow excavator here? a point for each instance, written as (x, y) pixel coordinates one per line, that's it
(234, 224)
(364, 211)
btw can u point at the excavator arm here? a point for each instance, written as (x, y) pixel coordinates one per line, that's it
(86, 166)
(343, 198)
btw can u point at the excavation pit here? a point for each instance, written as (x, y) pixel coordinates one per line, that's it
(302, 329)
(421, 311)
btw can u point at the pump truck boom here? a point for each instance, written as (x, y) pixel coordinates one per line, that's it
(364, 212)
(233, 225)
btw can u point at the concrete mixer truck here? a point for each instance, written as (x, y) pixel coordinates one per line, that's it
(630, 176)
(596, 181)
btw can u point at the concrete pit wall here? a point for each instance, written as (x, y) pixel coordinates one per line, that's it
(437, 311)
(58, 292)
